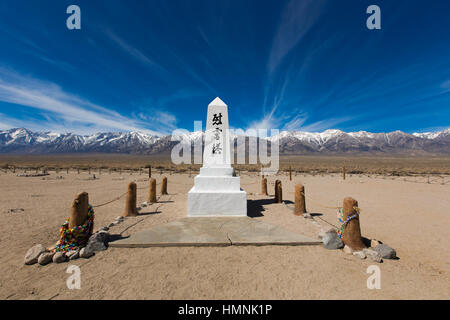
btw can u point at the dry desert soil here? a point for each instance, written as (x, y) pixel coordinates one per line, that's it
(413, 218)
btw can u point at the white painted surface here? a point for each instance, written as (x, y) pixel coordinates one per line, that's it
(217, 183)
(213, 204)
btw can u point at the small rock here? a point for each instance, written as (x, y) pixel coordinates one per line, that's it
(45, 258)
(59, 257)
(119, 218)
(307, 216)
(96, 246)
(111, 225)
(359, 254)
(116, 222)
(16, 210)
(374, 243)
(373, 255)
(86, 253)
(97, 241)
(385, 251)
(100, 236)
(138, 209)
(332, 241)
(104, 229)
(348, 250)
(322, 232)
(144, 204)
(73, 254)
(33, 254)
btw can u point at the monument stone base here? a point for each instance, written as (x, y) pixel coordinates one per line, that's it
(217, 203)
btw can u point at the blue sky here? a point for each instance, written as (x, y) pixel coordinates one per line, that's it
(155, 65)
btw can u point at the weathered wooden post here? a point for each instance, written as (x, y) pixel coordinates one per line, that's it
(67, 170)
(79, 210)
(343, 173)
(290, 173)
(352, 231)
(264, 186)
(164, 186)
(89, 170)
(131, 202)
(149, 172)
(152, 191)
(300, 204)
(78, 170)
(278, 192)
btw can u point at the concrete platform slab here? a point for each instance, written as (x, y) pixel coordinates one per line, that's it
(213, 231)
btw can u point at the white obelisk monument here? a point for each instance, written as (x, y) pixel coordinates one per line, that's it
(217, 191)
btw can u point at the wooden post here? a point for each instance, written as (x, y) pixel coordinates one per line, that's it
(343, 173)
(131, 202)
(278, 192)
(67, 170)
(164, 186)
(78, 170)
(290, 173)
(152, 191)
(300, 205)
(149, 172)
(352, 231)
(79, 210)
(264, 186)
(89, 170)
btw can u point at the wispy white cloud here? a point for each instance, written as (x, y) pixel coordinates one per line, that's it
(65, 110)
(133, 51)
(446, 86)
(296, 122)
(297, 18)
(322, 125)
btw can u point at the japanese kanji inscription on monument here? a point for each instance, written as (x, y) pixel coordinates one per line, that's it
(217, 140)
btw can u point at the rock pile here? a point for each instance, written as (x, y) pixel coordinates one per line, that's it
(39, 254)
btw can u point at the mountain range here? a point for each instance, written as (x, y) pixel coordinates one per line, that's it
(330, 142)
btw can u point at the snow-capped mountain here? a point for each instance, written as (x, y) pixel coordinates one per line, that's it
(291, 142)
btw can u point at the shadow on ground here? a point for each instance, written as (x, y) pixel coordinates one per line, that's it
(256, 207)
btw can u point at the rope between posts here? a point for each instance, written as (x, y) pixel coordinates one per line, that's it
(319, 203)
(111, 201)
(117, 198)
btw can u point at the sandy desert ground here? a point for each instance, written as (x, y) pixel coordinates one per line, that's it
(413, 218)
